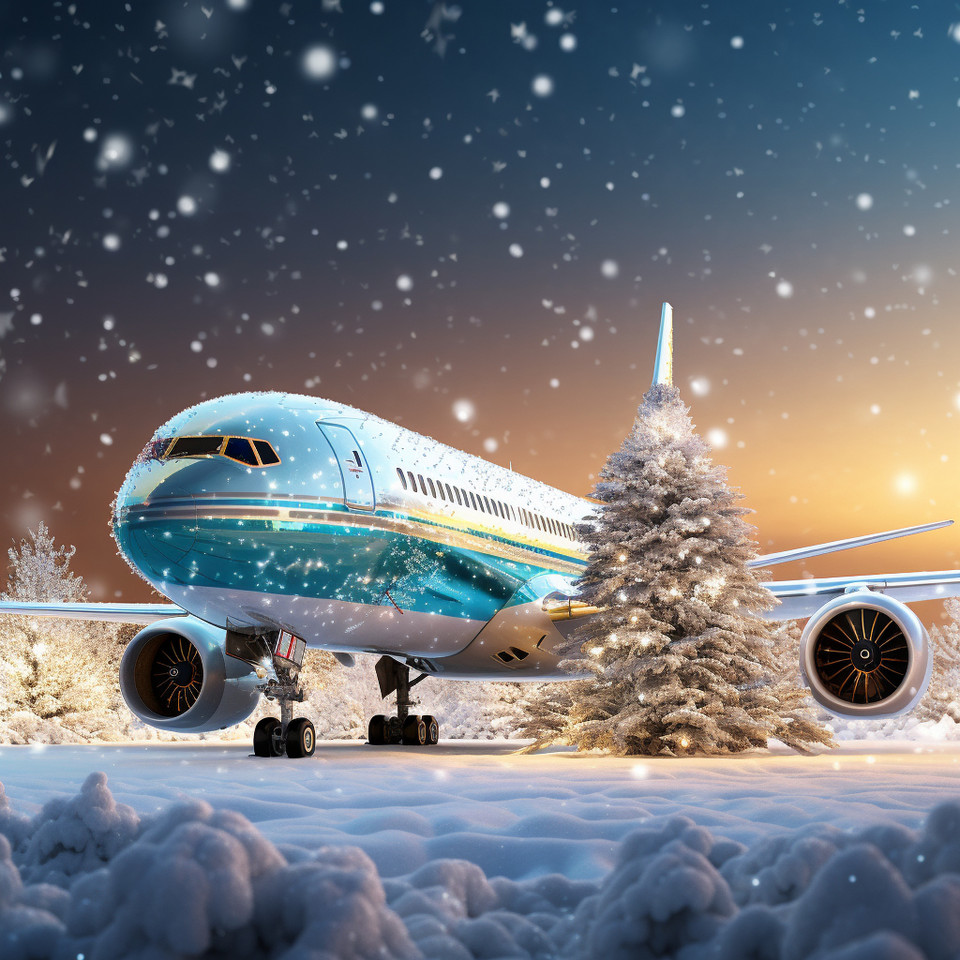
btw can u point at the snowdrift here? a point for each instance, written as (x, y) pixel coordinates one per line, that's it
(88, 875)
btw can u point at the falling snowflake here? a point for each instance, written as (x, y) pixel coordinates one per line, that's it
(464, 410)
(320, 63)
(220, 161)
(700, 386)
(116, 151)
(542, 85)
(717, 438)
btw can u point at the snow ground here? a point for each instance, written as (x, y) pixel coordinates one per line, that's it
(470, 850)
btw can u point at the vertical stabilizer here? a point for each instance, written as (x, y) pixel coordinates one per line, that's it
(663, 370)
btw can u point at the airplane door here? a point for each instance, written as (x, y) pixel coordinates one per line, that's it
(358, 490)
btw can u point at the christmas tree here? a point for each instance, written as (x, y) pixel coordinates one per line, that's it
(680, 657)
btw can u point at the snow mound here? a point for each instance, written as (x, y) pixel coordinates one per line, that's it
(663, 895)
(234, 894)
(79, 834)
(909, 727)
(89, 876)
(12, 826)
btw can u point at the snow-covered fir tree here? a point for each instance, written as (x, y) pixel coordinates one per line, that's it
(680, 655)
(943, 695)
(57, 673)
(806, 720)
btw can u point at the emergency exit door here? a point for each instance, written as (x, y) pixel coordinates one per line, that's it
(358, 492)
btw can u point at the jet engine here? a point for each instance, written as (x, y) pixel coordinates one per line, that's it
(175, 675)
(865, 655)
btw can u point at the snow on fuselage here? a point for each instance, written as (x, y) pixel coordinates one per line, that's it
(365, 536)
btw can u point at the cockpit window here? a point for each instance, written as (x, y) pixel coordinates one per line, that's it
(268, 456)
(194, 447)
(238, 448)
(241, 449)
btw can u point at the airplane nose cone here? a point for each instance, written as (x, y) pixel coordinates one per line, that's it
(155, 516)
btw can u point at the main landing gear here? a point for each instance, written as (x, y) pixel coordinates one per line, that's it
(407, 728)
(293, 736)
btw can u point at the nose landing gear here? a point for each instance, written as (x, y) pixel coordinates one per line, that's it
(407, 728)
(280, 661)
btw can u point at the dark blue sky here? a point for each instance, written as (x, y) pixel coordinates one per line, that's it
(187, 211)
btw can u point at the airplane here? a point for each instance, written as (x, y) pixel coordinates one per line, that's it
(274, 522)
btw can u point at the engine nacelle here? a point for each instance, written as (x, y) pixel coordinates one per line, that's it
(865, 655)
(175, 675)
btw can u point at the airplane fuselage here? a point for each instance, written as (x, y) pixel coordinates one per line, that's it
(364, 537)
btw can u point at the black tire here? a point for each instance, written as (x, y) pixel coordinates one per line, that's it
(301, 738)
(377, 730)
(414, 731)
(433, 730)
(394, 730)
(265, 741)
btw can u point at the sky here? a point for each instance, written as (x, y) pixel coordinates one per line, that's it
(464, 218)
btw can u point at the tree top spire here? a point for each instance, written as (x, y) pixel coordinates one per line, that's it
(663, 368)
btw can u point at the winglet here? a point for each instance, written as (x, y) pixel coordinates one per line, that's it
(663, 369)
(835, 546)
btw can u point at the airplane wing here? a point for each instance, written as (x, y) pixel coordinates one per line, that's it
(802, 598)
(834, 546)
(110, 612)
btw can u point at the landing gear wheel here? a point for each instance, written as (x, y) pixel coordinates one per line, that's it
(433, 730)
(414, 731)
(301, 738)
(266, 738)
(377, 730)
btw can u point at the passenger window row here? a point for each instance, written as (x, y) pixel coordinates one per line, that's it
(440, 490)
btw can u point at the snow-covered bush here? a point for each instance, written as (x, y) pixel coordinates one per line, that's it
(59, 675)
(943, 695)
